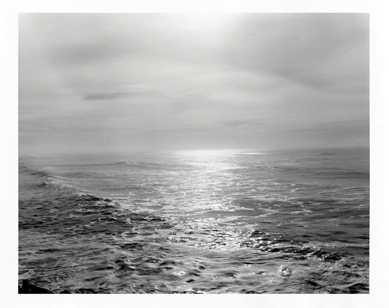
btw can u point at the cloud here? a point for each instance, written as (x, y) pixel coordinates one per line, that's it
(233, 79)
(104, 96)
(305, 48)
(235, 123)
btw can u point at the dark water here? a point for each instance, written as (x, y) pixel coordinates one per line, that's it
(197, 222)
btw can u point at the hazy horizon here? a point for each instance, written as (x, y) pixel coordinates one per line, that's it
(159, 82)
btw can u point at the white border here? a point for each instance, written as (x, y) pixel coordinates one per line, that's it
(379, 117)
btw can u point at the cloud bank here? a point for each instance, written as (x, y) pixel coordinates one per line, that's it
(124, 82)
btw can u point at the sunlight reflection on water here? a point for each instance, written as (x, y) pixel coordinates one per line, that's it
(200, 221)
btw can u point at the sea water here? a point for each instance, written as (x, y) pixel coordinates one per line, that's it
(231, 221)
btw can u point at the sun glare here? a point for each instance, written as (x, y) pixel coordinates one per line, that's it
(207, 26)
(210, 153)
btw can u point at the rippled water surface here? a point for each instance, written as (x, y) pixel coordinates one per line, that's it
(196, 222)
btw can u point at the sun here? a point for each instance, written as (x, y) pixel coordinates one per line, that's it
(207, 25)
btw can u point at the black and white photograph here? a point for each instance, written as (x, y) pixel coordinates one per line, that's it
(193, 153)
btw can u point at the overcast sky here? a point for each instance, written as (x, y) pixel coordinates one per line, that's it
(123, 82)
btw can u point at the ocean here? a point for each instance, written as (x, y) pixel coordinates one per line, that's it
(222, 221)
